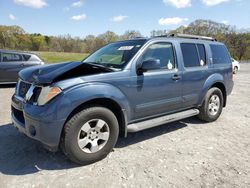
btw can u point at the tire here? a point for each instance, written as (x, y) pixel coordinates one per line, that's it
(235, 70)
(90, 135)
(212, 105)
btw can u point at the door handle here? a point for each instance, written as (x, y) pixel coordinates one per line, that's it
(176, 77)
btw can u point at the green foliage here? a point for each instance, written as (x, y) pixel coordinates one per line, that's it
(130, 35)
(14, 37)
(237, 43)
(206, 28)
(54, 57)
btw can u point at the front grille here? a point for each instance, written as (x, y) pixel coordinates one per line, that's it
(36, 94)
(18, 114)
(23, 88)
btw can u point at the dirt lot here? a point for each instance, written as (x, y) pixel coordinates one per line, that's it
(188, 153)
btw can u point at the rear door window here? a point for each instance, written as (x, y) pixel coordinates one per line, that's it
(194, 55)
(220, 54)
(11, 57)
(190, 55)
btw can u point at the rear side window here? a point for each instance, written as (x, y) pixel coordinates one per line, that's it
(194, 55)
(9, 57)
(190, 55)
(220, 54)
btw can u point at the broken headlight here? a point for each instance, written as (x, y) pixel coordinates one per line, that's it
(47, 94)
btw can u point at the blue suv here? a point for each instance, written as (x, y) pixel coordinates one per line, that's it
(126, 86)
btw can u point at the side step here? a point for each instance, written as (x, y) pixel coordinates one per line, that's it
(135, 127)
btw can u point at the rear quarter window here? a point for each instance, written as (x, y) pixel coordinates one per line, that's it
(220, 54)
(26, 57)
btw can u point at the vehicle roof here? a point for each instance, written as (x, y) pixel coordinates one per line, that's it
(17, 52)
(179, 39)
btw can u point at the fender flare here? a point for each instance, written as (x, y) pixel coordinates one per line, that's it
(210, 81)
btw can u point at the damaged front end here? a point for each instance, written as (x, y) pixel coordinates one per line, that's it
(39, 107)
(36, 85)
(53, 73)
(36, 94)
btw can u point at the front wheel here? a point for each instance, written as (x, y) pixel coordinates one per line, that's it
(212, 105)
(90, 135)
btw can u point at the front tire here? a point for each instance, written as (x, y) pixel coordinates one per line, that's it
(90, 135)
(212, 105)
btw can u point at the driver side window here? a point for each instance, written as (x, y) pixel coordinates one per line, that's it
(162, 51)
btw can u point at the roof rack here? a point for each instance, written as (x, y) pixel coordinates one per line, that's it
(190, 36)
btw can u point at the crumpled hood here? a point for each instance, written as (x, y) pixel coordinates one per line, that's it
(47, 74)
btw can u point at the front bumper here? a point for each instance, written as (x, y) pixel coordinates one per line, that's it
(35, 122)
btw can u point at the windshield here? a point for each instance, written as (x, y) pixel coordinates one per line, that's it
(115, 55)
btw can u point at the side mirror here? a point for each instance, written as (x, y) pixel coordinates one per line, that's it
(151, 64)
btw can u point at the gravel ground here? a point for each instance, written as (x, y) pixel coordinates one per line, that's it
(187, 153)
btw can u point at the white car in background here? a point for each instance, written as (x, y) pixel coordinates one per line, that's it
(236, 65)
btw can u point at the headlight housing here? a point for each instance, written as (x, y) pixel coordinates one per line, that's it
(47, 94)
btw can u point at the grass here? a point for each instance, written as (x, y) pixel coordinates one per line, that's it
(55, 57)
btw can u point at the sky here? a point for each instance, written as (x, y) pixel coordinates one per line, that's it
(84, 17)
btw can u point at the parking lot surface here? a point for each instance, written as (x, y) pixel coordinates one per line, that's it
(188, 153)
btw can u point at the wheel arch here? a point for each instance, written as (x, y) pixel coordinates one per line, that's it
(222, 87)
(215, 80)
(108, 103)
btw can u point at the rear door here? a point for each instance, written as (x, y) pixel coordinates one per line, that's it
(195, 72)
(11, 64)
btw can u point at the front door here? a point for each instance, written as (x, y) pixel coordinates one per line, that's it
(159, 91)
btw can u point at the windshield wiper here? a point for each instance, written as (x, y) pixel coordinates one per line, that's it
(102, 65)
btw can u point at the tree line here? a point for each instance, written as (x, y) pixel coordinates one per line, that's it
(14, 37)
(237, 42)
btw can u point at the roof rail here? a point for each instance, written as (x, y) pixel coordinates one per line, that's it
(192, 36)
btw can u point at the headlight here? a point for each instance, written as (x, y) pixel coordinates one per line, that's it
(47, 94)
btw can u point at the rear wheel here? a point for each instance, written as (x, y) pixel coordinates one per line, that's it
(212, 105)
(90, 135)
